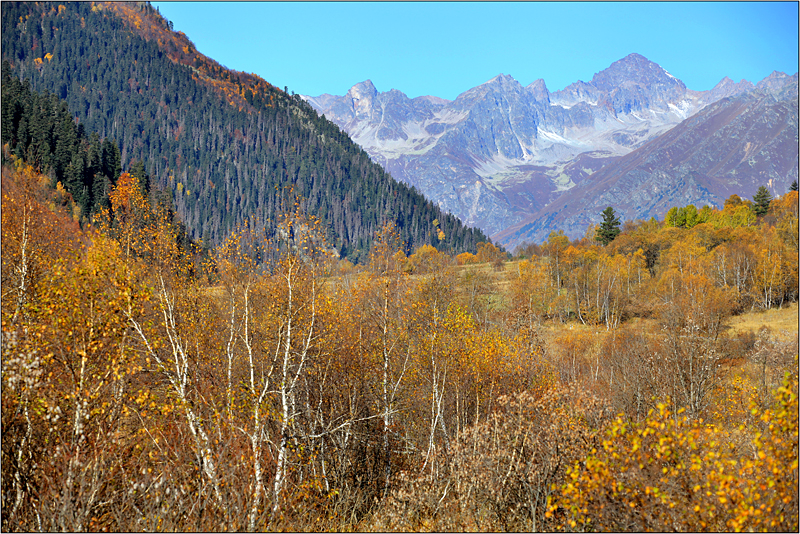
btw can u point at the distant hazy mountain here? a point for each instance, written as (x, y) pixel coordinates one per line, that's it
(500, 152)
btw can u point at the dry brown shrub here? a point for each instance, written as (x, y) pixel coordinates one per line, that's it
(500, 472)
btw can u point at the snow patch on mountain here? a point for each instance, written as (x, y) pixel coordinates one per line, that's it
(448, 116)
(547, 138)
(683, 109)
(486, 168)
(416, 138)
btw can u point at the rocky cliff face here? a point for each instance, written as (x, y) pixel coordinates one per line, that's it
(500, 153)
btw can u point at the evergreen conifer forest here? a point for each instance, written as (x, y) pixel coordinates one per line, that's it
(166, 368)
(228, 147)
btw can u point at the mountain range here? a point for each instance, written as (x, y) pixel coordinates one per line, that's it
(519, 162)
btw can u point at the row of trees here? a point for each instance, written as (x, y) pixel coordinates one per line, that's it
(145, 387)
(736, 211)
(743, 261)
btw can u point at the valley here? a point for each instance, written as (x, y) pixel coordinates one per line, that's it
(220, 313)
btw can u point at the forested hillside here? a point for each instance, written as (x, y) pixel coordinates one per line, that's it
(41, 130)
(228, 146)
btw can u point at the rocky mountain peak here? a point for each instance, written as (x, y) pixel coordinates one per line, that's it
(363, 90)
(634, 69)
(727, 87)
(500, 152)
(631, 62)
(539, 90)
(775, 74)
(724, 82)
(362, 96)
(504, 82)
(435, 100)
(780, 85)
(774, 82)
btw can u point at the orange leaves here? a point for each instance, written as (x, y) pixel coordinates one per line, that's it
(32, 236)
(488, 253)
(426, 259)
(785, 210)
(126, 195)
(532, 292)
(736, 213)
(387, 257)
(684, 254)
(505, 468)
(74, 329)
(143, 231)
(368, 373)
(649, 261)
(466, 258)
(784, 206)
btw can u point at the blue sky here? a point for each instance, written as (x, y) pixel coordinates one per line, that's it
(445, 48)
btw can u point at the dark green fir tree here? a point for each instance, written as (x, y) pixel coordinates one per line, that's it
(609, 228)
(761, 201)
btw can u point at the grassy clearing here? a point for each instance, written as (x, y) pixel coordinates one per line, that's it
(782, 322)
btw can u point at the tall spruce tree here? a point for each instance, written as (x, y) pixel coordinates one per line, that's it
(609, 228)
(761, 201)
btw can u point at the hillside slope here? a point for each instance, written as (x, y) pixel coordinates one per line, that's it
(229, 146)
